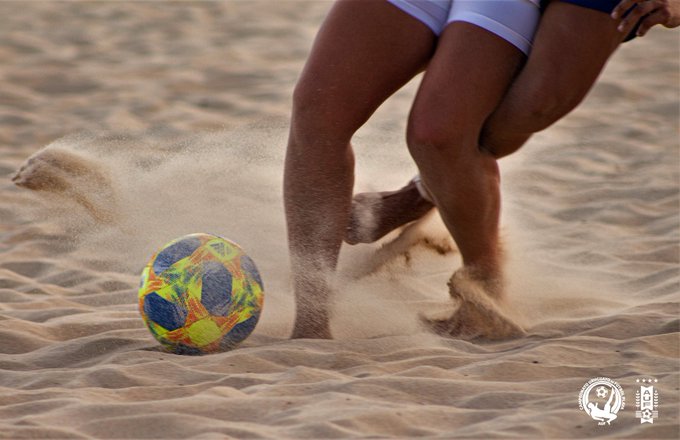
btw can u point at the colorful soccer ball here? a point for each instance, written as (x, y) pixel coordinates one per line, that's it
(200, 294)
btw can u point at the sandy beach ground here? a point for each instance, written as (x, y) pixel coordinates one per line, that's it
(182, 108)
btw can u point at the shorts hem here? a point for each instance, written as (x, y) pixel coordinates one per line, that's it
(496, 28)
(419, 14)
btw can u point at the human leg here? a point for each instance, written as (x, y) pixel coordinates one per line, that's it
(443, 132)
(375, 214)
(363, 53)
(572, 46)
(552, 82)
(449, 110)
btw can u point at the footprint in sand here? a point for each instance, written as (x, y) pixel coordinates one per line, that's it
(67, 174)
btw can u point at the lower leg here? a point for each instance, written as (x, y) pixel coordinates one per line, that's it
(467, 192)
(363, 53)
(466, 188)
(318, 182)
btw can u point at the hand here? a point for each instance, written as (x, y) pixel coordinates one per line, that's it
(652, 12)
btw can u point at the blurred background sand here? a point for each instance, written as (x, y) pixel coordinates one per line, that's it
(185, 106)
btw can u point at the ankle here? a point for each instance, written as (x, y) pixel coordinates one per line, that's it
(489, 278)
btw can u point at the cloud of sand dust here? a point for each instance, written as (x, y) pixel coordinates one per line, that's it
(229, 184)
(225, 183)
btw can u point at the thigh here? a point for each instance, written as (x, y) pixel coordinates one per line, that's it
(467, 77)
(364, 52)
(572, 46)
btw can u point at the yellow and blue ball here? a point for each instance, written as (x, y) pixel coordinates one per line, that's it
(200, 294)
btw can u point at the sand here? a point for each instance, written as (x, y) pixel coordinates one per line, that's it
(182, 108)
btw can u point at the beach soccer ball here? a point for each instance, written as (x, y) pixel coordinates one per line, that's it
(200, 294)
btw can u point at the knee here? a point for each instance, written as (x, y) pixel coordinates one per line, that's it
(436, 138)
(529, 111)
(544, 106)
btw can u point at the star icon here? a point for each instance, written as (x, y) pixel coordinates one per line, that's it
(647, 380)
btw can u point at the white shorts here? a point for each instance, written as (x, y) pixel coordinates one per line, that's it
(513, 20)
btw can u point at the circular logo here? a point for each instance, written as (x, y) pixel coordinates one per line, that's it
(602, 398)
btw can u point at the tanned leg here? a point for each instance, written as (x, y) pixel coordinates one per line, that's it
(450, 108)
(364, 52)
(571, 47)
(374, 215)
(448, 113)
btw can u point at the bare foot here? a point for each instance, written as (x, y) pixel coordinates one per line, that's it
(374, 215)
(67, 174)
(478, 314)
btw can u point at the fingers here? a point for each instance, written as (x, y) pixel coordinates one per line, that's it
(660, 16)
(622, 7)
(629, 21)
(646, 13)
